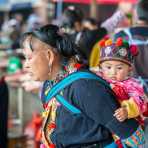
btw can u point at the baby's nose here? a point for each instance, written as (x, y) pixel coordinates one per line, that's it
(113, 71)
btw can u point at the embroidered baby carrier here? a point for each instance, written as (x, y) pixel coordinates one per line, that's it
(54, 96)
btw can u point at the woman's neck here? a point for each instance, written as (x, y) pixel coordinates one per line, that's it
(63, 71)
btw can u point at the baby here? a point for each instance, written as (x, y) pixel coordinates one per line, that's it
(115, 66)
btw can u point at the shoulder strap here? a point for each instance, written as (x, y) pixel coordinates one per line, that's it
(67, 105)
(54, 92)
(71, 78)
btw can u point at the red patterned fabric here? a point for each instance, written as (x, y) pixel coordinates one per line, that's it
(118, 142)
(120, 92)
(52, 146)
(146, 112)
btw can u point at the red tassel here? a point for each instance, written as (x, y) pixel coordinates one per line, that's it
(146, 112)
(77, 66)
(119, 144)
(45, 105)
(52, 146)
(52, 126)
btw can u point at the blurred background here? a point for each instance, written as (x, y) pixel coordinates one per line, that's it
(22, 110)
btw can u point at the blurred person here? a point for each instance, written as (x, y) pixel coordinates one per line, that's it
(19, 18)
(87, 41)
(16, 21)
(121, 18)
(36, 19)
(89, 23)
(104, 28)
(71, 21)
(61, 60)
(138, 35)
(4, 96)
(5, 41)
(10, 35)
(128, 9)
(13, 23)
(14, 37)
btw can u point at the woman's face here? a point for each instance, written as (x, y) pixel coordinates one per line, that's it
(37, 60)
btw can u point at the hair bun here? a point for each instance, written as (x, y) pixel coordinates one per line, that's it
(66, 47)
(63, 44)
(52, 33)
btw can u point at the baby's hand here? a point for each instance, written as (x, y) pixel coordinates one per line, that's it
(121, 114)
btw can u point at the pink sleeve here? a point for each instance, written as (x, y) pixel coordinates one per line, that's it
(135, 90)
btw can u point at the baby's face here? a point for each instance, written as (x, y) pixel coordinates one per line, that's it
(115, 70)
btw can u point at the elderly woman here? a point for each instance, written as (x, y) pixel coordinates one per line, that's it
(79, 106)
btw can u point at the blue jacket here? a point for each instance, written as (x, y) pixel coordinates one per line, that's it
(96, 122)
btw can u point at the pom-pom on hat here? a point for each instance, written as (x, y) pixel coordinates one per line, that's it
(119, 50)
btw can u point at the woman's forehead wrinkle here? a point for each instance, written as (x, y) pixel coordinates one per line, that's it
(26, 45)
(26, 42)
(37, 44)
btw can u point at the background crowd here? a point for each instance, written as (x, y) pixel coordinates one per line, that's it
(129, 21)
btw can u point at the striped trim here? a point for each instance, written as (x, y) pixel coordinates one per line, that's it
(136, 139)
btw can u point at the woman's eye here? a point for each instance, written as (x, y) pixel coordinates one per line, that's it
(28, 58)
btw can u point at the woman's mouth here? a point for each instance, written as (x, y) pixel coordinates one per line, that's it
(30, 74)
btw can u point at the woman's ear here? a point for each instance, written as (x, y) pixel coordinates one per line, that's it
(50, 56)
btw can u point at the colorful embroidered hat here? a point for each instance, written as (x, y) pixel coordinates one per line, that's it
(119, 50)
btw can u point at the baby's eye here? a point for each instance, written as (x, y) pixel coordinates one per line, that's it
(119, 68)
(108, 67)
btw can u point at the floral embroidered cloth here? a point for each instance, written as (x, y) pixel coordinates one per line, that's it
(133, 89)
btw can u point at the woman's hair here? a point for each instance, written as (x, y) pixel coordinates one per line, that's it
(50, 34)
(87, 40)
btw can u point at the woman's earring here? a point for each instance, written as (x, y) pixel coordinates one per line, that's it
(50, 66)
